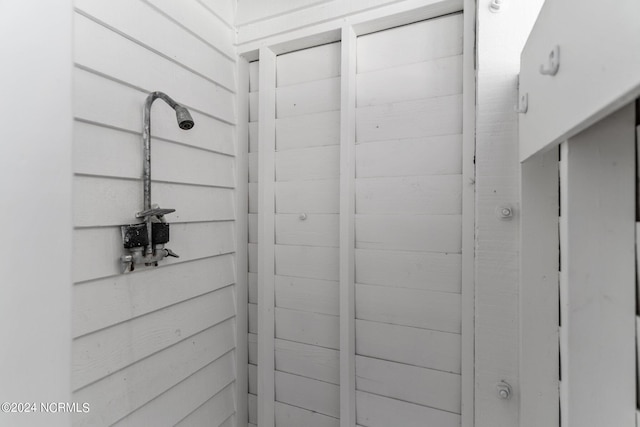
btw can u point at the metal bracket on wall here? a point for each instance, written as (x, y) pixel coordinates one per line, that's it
(553, 63)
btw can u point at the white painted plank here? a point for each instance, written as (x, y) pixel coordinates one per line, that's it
(253, 257)
(440, 77)
(314, 230)
(215, 412)
(121, 107)
(413, 346)
(253, 288)
(225, 9)
(412, 195)
(308, 197)
(152, 376)
(253, 137)
(266, 236)
(436, 389)
(379, 411)
(308, 394)
(189, 240)
(252, 220)
(253, 379)
(599, 310)
(309, 130)
(104, 201)
(155, 31)
(380, 50)
(231, 421)
(307, 98)
(410, 119)
(109, 301)
(253, 409)
(308, 328)
(438, 311)
(254, 106)
(253, 318)
(441, 155)
(347, 227)
(253, 167)
(253, 198)
(313, 295)
(131, 341)
(308, 164)
(316, 63)
(195, 17)
(417, 270)
(256, 11)
(254, 72)
(308, 360)
(169, 407)
(291, 416)
(539, 311)
(96, 47)
(433, 233)
(253, 348)
(314, 262)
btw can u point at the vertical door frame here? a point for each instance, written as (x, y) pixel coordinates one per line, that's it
(346, 30)
(266, 237)
(242, 244)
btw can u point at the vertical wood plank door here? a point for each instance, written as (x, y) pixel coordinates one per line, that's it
(408, 225)
(307, 174)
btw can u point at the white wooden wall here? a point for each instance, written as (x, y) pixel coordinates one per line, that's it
(35, 183)
(408, 225)
(144, 341)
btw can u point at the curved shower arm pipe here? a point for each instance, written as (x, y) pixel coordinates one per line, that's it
(184, 122)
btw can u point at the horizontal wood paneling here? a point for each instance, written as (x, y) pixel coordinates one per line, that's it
(253, 287)
(308, 328)
(201, 19)
(308, 394)
(253, 228)
(253, 167)
(379, 411)
(152, 376)
(440, 77)
(440, 155)
(407, 119)
(253, 348)
(308, 197)
(169, 407)
(438, 311)
(253, 409)
(109, 301)
(97, 251)
(253, 318)
(254, 106)
(120, 106)
(309, 130)
(313, 295)
(254, 81)
(253, 198)
(417, 270)
(433, 233)
(436, 389)
(138, 338)
(102, 202)
(437, 194)
(316, 63)
(253, 379)
(291, 416)
(413, 346)
(315, 230)
(107, 52)
(380, 50)
(307, 98)
(314, 262)
(253, 257)
(253, 137)
(217, 411)
(308, 360)
(308, 164)
(153, 29)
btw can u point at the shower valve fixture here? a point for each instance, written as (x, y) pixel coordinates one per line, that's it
(145, 241)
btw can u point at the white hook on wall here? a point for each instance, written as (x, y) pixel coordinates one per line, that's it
(495, 5)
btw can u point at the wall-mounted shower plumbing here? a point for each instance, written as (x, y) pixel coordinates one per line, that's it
(145, 241)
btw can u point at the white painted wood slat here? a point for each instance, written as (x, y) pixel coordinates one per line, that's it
(312, 295)
(317, 63)
(314, 230)
(436, 389)
(438, 311)
(307, 98)
(307, 197)
(308, 328)
(292, 416)
(217, 411)
(308, 360)
(313, 262)
(308, 164)
(309, 130)
(306, 393)
(379, 411)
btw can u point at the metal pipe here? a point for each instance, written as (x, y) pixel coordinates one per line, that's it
(184, 122)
